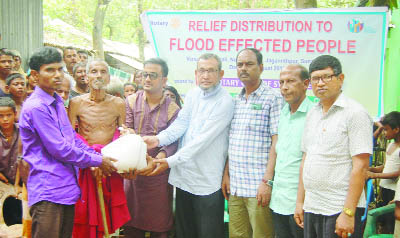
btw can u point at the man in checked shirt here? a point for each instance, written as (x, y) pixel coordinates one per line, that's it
(253, 130)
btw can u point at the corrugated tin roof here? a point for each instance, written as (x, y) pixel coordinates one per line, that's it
(21, 26)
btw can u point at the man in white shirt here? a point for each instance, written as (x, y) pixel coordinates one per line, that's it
(337, 143)
(196, 169)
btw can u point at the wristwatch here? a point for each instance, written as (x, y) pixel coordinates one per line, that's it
(348, 212)
(268, 182)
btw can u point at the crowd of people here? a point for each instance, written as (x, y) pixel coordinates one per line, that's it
(288, 167)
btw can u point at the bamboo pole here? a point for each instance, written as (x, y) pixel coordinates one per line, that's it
(102, 208)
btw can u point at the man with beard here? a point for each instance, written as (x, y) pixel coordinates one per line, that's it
(196, 169)
(98, 115)
(79, 74)
(6, 64)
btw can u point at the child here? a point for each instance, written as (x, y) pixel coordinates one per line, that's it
(32, 82)
(16, 87)
(389, 172)
(396, 233)
(10, 148)
(129, 89)
(9, 140)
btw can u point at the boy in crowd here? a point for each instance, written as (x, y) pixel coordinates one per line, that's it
(16, 88)
(9, 140)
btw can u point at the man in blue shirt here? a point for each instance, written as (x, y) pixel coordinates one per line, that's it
(196, 169)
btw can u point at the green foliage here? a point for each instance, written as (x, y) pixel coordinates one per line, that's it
(392, 4)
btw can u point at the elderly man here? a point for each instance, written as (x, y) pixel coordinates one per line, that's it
(81, 80)
(52, 150)
(252, 137)
(294, 81)
(64, 90)
(98, 116)
(337, 143)
(70, 57)
(148, 113)
(197, 167)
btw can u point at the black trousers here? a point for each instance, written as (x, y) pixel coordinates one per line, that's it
(199, 216)
(320, 226)
(286, 227)
(387, 219)
(52, 220)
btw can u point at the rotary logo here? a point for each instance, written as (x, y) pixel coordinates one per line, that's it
(355, 25)
(175, 23)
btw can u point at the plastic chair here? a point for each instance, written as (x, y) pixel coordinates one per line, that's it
(370, 227)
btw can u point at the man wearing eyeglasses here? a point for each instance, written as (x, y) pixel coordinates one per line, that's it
(337, 143)
(196, 169)
(148, 112)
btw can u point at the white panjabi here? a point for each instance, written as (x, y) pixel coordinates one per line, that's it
(130, 151)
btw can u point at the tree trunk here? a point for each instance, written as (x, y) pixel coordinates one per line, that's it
(111, 32)
(140, 32)
(305, 3)
(98, 27)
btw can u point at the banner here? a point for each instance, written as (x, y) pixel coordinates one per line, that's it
(356, 36)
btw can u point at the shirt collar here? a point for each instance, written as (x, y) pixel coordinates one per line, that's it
(47, 98)
(341, 101)
(14, 132)
(258, 92)
(304, 105)
(212, 92)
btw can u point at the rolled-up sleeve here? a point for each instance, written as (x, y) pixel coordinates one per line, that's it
(58, 146)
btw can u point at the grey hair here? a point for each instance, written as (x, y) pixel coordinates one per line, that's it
(70, 79)
(207, 56)
(96, 60)
(114, 87)
(76, 66)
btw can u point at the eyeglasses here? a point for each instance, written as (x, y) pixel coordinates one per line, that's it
(153, 76)
(324, 78)
(210, 71)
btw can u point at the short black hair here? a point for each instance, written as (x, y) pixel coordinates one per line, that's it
(5, 51)
(159, 61)
(82, 52)
(256, 52)
(391, 119)
(326, 61)
(68, 48)
(44, 55)
(7, 102)
(178, 97)
(13, 76)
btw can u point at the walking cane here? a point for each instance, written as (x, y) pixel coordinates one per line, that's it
(102, 208)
